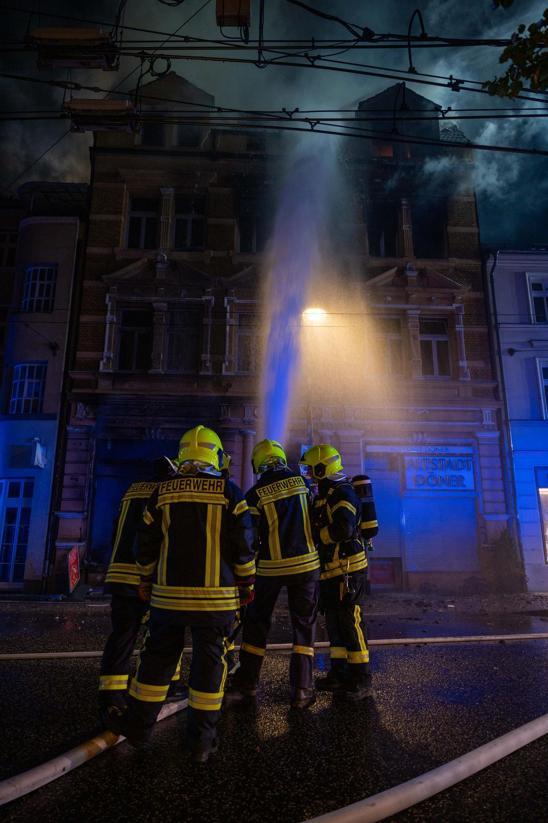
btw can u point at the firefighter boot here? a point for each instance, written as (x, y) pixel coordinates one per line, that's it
(237, 695)
(358, 687)
(332, 682)
(201, 752)
(303, 698)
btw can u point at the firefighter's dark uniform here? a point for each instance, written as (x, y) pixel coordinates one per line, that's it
(122, 582)
(369, 525)
(279, 504)
(343, 564)
(196, 544)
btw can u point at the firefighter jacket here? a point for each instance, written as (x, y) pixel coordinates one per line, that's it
(337, 529)
(196, 544)
(122, 576)
(280, 506)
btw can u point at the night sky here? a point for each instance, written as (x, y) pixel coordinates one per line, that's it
(512, 190)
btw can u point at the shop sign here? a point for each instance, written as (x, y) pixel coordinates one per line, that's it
(439, 472)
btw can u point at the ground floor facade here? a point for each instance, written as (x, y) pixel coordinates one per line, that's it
(439, 482)
(530, 470)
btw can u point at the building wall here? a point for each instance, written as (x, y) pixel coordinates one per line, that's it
(29, 439)
(523, 347)
(441, 538)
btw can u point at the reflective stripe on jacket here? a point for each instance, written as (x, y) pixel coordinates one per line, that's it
(196, 543)
(122, 569)
(280, 506)
(337, 526)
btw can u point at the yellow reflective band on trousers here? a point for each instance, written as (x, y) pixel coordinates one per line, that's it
(205, 701)
(337, 653)
(213, 545)
(361, 638)
(247, 647)
(177, 674)
(147, 693)
(358, 657)
(113, 682)
(308, 650)
(273, 534)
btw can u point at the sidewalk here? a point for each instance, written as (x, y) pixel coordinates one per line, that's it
(84, 624)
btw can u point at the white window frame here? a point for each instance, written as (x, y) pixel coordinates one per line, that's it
(19, 503)
(24, 376)
(39, 295)
(532, 276)
(543, 385)
(435, 339)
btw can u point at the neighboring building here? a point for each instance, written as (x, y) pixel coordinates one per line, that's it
(44, 266)
(520, 313)
(11, 212)
(170, 323)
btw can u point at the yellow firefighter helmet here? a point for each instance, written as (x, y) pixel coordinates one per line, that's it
(226, 461)
(200, 445)
(267, 453)
(323, 460)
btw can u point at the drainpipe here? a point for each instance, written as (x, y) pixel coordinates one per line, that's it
(508, 449)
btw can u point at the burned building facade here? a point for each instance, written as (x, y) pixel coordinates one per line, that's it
(170, 323)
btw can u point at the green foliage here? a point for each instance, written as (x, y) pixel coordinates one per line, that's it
(528, 56)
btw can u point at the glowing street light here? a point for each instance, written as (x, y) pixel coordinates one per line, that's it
(314, 316)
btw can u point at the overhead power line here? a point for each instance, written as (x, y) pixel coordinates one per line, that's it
(383, 40)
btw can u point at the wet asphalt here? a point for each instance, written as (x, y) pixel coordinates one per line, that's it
(28, 626)
(433, 703)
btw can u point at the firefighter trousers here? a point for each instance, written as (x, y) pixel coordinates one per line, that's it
(345, 623)
(302, 598)
(208, 669)
(127, 616)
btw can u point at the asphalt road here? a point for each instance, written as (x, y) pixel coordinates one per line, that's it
(433, 703)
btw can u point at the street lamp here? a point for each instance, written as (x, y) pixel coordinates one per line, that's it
(314, 316)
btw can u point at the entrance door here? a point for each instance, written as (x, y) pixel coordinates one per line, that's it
(385, 561)
(15, 509)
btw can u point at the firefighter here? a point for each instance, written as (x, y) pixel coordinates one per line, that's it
(279, 504)
(336, 518)
(128, 610)
(369, 525)
(196, 558)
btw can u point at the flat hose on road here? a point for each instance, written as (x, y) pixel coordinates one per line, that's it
(394, 800)
(324, 644)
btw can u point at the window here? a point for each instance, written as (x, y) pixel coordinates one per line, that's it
(254, 223)
(390, 328)
(383, 149)
(15, 499)
(543, 373)
(8, 245)
(434, 342)
(383, 227)
(143, 223)
(27, 388)
(539, 298)
(39, 288)
(189, 221)
(428, 221)
(185, 340)
(135, 342)
(543, 500)
(246, 343)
